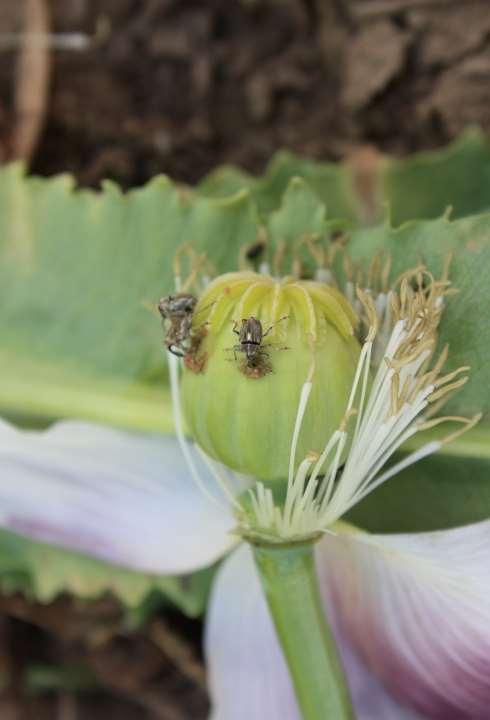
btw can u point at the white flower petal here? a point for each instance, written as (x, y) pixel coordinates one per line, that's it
(119, 496)
(248, 676)
(417, 607)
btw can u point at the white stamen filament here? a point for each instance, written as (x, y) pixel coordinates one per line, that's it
(173, 367)
(388, 414)
(303, 402)
(398, 402)
(324, 275)
(219, 474)
(414, 457)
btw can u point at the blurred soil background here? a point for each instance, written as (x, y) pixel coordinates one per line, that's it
(131, 88)
(126, 89)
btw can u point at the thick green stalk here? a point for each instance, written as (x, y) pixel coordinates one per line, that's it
(290, 585)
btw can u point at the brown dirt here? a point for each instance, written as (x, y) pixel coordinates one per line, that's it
(73, 660)
(179, 86)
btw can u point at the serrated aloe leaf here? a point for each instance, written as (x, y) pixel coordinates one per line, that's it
(227, 180)
(33, 394)
(426, 184)
(365, 187)
(43, 572)
(77, 272)
(300, 214)
(330, 182)
(465, 323)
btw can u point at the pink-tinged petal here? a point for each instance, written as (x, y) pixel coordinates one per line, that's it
(123, 497)
(247, 674)
(417, 608)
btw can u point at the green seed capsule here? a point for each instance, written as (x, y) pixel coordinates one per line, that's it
(242, 380)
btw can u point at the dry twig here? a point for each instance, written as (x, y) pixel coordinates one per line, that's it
(31, 82)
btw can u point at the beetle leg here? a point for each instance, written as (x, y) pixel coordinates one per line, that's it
(284, 317)
(206, 307)
(275, 346)
(175, 350)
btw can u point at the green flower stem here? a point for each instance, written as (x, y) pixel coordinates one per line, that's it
(290, 585)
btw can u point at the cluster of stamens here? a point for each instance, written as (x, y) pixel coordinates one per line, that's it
(397, 389)
(381, 415)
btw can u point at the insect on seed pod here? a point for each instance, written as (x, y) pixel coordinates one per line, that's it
(240, 399)
(177, 311)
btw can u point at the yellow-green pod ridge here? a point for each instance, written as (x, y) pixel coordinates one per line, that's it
(244, 415)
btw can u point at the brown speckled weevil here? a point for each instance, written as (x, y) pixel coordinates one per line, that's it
(250, 336)
(178, 310)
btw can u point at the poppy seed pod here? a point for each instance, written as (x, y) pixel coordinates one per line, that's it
(255, 341)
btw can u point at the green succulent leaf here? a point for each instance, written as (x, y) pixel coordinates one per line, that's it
(43, 572)
(79, 274)
(465, 323)
(331, 184)
(425, 185)
(364, 188)
(300, 213)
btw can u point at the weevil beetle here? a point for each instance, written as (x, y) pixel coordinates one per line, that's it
(178, 310)
(250, 336)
